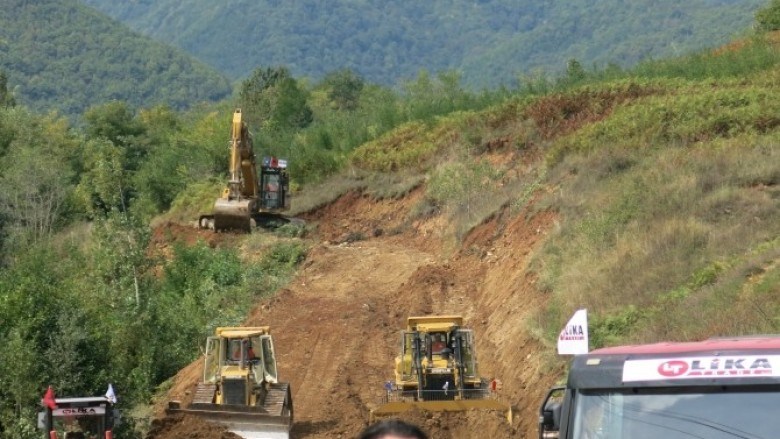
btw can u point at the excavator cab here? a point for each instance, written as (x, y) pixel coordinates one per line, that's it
(274, 185)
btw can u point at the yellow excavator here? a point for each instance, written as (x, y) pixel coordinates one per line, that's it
(436, 370)
(249, 197)
(241, 387)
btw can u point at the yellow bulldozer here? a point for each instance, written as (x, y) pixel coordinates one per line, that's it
(249, 197)
(240, 387)
(436, 370)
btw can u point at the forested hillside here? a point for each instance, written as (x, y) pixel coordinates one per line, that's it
(648, 195)
(60, 54)
(489, 41)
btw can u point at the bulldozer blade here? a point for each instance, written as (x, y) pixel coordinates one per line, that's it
(233, 214)
(247, 422)
(396, 407)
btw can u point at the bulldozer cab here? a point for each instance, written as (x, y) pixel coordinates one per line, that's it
(242, 350)
(240, 387)
(458, 344)
(437, 371)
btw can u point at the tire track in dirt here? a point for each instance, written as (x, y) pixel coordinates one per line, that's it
(334, 334)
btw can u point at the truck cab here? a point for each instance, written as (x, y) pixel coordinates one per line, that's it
(78, 418)
(714, 389)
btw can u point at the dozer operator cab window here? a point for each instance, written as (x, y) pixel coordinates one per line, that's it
(268, 357)
(212, 364)
(407, 367)
(438, 343)
(234, 350)
(467, 352)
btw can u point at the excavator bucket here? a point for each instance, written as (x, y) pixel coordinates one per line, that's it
(233, 214)
(272, 420)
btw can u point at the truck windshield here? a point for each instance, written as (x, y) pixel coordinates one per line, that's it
(677, 413)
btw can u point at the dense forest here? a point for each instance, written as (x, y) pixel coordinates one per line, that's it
(62, 55)
(678, 154)
(490, 42)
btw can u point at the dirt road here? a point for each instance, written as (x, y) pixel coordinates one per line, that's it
(336, 326)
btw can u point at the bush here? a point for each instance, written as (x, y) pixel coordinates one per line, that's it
(768, 18)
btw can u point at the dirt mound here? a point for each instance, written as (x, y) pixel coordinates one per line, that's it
(461, 425)
(190, 427)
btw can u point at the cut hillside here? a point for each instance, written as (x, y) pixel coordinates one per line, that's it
(336, 326)
(645, 200)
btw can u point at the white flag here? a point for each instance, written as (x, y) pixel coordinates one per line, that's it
(110, 395)
(573, 339)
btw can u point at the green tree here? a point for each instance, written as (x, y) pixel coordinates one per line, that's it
(162, 173)
(344, 87)
(116, 122)
(36, 175)
(272, 99)
(429, 96)
(574, 72)
(6, 97)
(105, 185)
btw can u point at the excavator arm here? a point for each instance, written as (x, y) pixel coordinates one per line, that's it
(244, 201)
(243, 167)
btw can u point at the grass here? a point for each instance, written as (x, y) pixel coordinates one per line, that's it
(652, 229)
(198, 199)
(324, 193)
(665, 177)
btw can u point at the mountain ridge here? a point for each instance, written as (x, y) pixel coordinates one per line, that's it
(490, 42)
(60, 54)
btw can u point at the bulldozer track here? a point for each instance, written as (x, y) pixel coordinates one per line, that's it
(275, 399)
(204, 394)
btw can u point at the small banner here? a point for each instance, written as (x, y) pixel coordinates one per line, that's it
(110, 395)
(48, 399)
(573, 339)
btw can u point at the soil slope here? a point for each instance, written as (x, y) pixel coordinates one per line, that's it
(336, 326)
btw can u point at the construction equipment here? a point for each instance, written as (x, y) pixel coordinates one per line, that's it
(249, 197)
(436, 370)
(78, 418)
(240, 387)
(715, 389)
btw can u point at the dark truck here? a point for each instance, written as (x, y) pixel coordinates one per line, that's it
(79, 418)
(712, 389)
